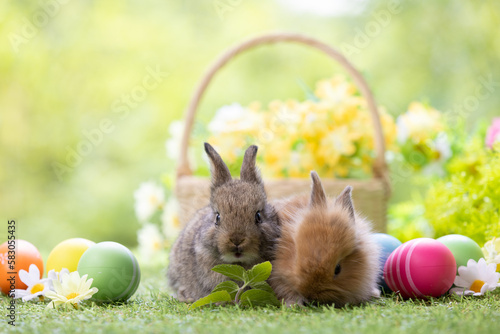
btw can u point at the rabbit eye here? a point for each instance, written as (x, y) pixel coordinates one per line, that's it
(337, 270)
(258, 218)
(217, 219)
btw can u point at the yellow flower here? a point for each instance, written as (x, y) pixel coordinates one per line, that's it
(336, 90)
(71, 290)
(339, 141)
(229, 146)
(389, 128)
(491, 251)
(419, 124)
(333, 135)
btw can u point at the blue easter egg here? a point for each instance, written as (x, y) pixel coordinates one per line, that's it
(387, 244)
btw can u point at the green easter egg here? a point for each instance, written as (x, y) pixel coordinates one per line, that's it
(114, 269)
(462, 247)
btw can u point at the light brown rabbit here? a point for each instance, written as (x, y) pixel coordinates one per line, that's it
(325, 253)
(239, 226)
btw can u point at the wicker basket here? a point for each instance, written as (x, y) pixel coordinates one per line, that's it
(370, 196)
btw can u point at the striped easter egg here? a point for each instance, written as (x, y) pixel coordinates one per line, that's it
(419, 268)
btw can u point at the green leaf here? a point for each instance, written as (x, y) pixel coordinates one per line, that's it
(260, 272)
(216, 297)
(229, 286)
(262, 286)
(232, 271)
(257, 297)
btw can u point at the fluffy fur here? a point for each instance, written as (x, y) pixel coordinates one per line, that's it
(325, 253)
(239, 237)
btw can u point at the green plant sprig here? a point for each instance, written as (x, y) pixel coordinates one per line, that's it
(259, 294)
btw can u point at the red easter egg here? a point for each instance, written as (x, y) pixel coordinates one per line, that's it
(25, 255)
(420, 268)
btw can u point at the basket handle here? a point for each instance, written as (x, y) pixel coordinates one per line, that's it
(379, 164)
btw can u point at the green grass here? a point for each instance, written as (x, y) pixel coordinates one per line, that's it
(152, 310)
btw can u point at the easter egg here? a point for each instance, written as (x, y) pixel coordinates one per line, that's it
(25, 254)
(387, 244)
(462, 247)
(114, 269)
(419, 268)
(67, 254)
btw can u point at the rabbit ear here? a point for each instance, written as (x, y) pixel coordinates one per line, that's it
(220, 172)
(318, 197)
(249, 171)
(345, 200)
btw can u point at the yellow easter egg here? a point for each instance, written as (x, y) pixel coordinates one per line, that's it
(67, 254)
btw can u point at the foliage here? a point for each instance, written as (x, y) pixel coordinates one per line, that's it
(254, 290)
(422, 138)
(406, 221)
(468, 200)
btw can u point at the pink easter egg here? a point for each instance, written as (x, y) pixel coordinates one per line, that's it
(420, 268)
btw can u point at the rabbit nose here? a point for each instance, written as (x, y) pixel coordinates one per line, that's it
(237, 240)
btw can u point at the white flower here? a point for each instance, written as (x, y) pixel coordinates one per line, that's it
(148, 198)
(150, 240)
(419, 124)
(172, 145)
(442, 145)
(37, 287)
(56, 275)
(171, 224)
(403, 131)
(71, 290)
(491, 251)
(230, 118)
(476, 278)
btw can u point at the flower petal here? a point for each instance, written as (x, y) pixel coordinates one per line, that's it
(461, 282)
(30, 297)
(52, 274)
(20, 293)
(26, 278)
(57, 285)
(457, 291)
(88, 284)
(467, 273)
(34, 272)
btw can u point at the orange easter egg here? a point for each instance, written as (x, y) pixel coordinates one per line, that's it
(14, 257)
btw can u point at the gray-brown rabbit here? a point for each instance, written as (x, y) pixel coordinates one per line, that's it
(325, 253)
(239, 226)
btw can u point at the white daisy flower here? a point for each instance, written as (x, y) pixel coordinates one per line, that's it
(56, 275)
(491, 251)
(71, 290)
(148, 198)
(150, 240)
(476, 278)
(37, 287)
(171, 224)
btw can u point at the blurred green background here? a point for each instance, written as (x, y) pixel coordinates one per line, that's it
(72, 78)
